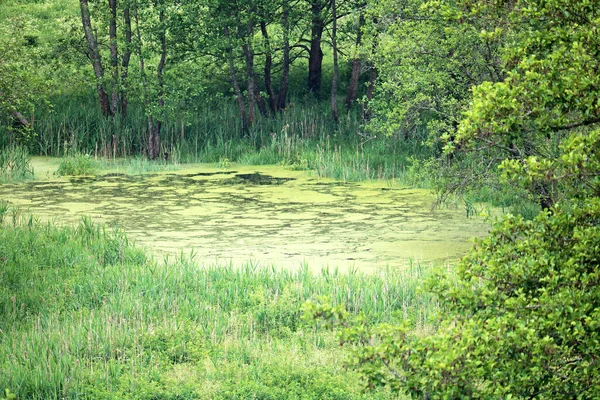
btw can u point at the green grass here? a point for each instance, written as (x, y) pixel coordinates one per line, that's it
(78, 164)
(84, 314)
(302, 137)
(14, 164)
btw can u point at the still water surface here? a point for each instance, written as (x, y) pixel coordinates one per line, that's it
(266, 214)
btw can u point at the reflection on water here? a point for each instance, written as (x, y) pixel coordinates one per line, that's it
(266, 214)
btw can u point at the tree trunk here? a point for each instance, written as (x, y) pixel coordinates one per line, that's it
(150, 145)
(334, 81)
(249, 53)
(260, 102)
(353, 87)
(114, 55)
(154, 149)
(371, 88)
(315, 59)
(125, 62)
(234, 81)
(19, 118)
(95, 58)
(268, 64)
(281, 98)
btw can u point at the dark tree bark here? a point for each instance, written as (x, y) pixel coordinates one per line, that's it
(249, 54)
(114, 55)
(353, 87)
(268, 65)
(282, 97)
(372, 81)
(315, 57)
(154, 139)
(234, 81)
(19, 118)
(95, 58)
(334, 81)
(260, 102)
(125, 62)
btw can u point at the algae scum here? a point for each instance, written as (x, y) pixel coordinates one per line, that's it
(263, 214)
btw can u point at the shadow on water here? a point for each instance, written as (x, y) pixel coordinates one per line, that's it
(267, 214)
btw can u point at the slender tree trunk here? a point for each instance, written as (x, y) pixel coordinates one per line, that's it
(140, 54)
(315, 60)
(334, 81)
(95, 58)
(260, 102)
(114, 55)
(372, 80)
(249, 53)
(154, 142)
(125, 62)
(268, 65)
(370, 91)
(281, 98)
(234, 81)
(353, 87)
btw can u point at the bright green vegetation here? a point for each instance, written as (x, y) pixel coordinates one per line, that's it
(522, 310)
(479, 100)
(15, 165)
(85, 314)
(78, 164)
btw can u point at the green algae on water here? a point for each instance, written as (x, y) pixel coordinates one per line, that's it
(268, 214)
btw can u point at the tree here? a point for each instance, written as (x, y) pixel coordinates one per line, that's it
(428, 57)
(95, 58)
(521, 310)
(22, 77)
(550, 93)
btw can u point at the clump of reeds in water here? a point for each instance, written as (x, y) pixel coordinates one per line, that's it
(14, 164)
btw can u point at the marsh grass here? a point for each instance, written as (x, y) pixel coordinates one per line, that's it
(84, 314)
(77, 164)
(15, 165)
(303, 137)
(136, 165)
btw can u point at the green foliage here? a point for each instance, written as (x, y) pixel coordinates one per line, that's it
(547, 102)
(78, 164)
(520, 319)
(521, 311)
(14, 164)
(428, 57)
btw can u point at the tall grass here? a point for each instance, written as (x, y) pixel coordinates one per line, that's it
(84, 314)
(302, 137)
(14, 164)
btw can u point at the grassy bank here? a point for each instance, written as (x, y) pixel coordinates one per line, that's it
(84, 314)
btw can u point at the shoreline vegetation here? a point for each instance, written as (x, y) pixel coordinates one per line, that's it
(85, 314)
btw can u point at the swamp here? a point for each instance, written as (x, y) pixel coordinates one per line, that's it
(303, 200)
(265, 214)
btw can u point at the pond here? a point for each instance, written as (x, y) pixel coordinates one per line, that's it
(265, 214)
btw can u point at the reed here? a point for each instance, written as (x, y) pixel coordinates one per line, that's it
(14, 164)
(84, 314)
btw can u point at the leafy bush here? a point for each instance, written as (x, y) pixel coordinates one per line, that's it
(76, 165)
(522, 318)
